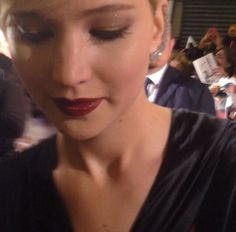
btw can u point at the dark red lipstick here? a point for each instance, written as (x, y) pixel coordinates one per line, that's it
(77, 107)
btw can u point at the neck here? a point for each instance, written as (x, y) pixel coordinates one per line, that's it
(126, 140)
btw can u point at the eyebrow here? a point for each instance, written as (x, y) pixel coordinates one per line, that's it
(110, 8)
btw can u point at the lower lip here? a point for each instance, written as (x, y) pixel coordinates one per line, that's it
(77, 108)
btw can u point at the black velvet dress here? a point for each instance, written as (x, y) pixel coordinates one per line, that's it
(195, 187)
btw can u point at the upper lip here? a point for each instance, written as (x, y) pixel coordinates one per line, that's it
(77, 107)
(66, 101)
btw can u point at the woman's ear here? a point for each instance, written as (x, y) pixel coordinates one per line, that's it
(161, 26)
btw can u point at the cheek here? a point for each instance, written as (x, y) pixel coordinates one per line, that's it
(31, 67)
(17, 50)
(31, 63)
(126, 65)
(127, 68)
(21, 52)
(31, 70)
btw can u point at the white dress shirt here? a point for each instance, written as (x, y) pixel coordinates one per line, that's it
(156, 79)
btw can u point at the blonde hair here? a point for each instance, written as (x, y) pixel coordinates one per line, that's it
(153, 4)
(6, 6)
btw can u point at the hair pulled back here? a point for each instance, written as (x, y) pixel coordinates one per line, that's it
(153, 4)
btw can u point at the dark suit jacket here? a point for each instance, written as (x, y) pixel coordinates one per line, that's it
(178, 90)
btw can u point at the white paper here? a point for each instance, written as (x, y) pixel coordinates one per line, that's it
(204, 68)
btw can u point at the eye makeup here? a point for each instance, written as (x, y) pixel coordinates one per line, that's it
(34, 36)
(109, 28)
(31, 29)
(109, 34)
(34, 29)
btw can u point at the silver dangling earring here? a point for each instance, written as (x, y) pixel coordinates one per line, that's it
(154, 56)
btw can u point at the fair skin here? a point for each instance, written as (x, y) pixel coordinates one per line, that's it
(107, 159)
(232, 30)
(211, 37)
(222, 62)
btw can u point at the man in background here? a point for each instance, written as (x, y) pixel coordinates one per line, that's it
(169, 87)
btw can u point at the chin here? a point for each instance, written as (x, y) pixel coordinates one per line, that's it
(79, 131)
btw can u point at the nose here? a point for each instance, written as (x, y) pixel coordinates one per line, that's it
(70, 65)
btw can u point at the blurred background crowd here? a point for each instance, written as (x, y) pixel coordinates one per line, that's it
(222, 76)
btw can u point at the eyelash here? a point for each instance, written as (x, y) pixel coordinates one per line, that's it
(96, 34)
(108, 35)
(34, 37)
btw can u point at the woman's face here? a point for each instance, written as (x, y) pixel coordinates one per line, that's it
(84, 61)
(221, 59)
(232, 31)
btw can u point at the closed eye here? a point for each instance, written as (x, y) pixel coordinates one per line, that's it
(108, 34)
(34, 36)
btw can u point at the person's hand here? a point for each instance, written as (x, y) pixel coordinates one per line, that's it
(212, 36)
(212, 33)
(23, 143)
(234, 116)
(214, 89)
(207, 37)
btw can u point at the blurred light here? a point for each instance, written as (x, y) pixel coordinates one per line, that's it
(3, 45)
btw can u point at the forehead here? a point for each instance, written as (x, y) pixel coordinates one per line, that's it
(9, 6)
(26, 5)
(232, 28)
(44, 5)
(54, 8)
(57, 11)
